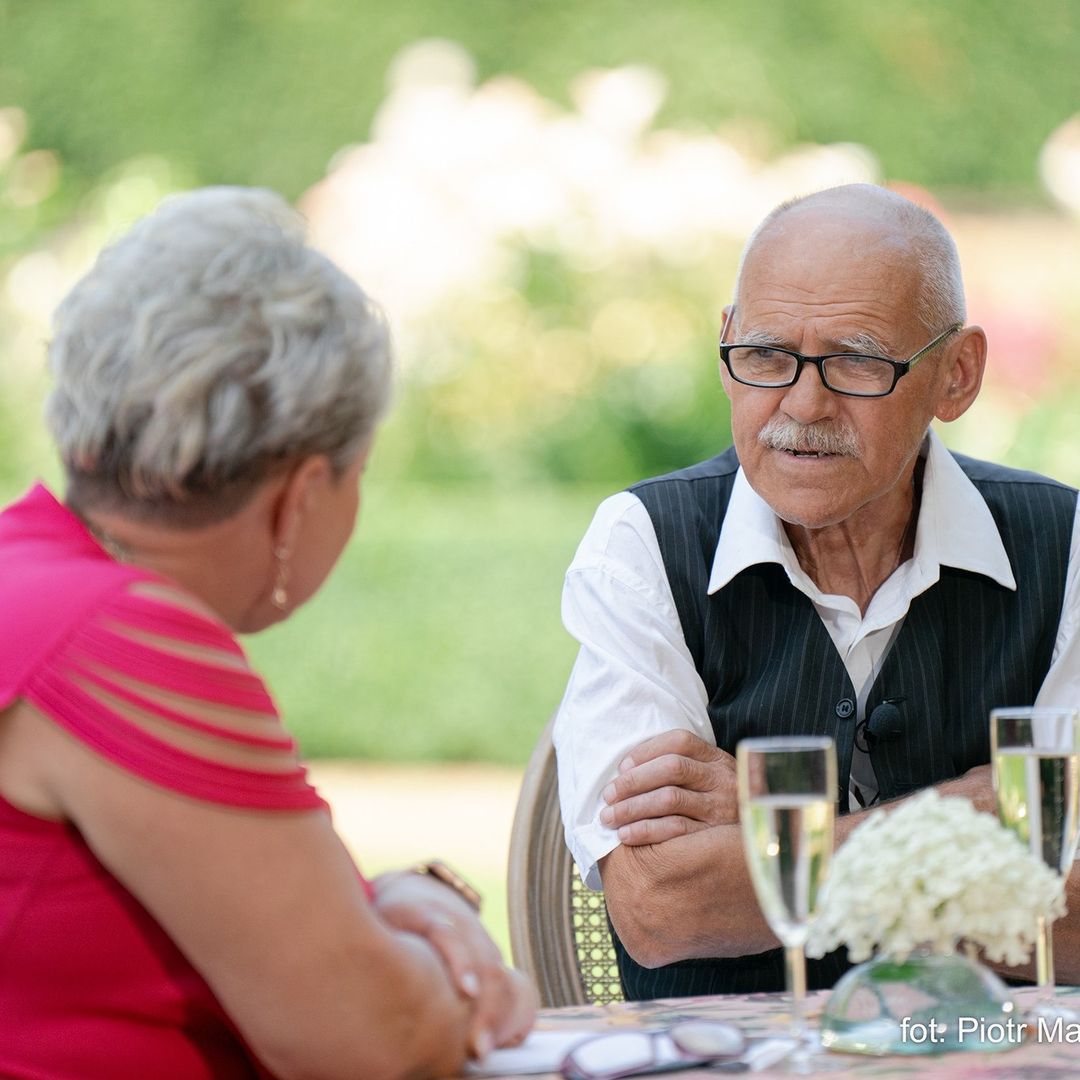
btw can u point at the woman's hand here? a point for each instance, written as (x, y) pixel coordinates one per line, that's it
(505, 1001)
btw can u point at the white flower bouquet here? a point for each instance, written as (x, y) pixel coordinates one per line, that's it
(932, 873)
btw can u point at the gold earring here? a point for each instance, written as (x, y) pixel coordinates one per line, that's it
(279, 597)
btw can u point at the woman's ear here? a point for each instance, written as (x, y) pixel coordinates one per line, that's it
(301, 485)
(962, 374)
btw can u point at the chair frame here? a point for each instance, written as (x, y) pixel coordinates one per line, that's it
(553, 918)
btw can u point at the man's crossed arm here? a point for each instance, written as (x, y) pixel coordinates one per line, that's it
(678, 887)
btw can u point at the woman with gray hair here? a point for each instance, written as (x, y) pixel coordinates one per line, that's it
(174, 901)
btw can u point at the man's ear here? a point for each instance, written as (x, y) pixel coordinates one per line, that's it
(729, 310)
(295, 498)
(961, 374)
(725, 326)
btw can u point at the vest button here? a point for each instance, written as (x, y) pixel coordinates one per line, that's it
(845, 707)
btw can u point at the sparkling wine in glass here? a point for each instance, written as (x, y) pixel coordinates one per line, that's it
(1036, 756)
(787, 803)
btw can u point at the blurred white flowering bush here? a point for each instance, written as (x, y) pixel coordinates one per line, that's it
(460, 181)
(554, 274)
(554, 277)
(932, 873)
(32, 282)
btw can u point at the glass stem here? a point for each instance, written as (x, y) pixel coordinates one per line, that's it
(795, 960)
(1044, 958)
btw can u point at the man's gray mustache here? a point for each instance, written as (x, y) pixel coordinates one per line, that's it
(820, 438)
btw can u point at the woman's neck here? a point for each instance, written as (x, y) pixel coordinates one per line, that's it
(226, 565)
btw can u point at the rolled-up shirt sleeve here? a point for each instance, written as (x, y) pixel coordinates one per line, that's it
(633, 678)
(1061, 687)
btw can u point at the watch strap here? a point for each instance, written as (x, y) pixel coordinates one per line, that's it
(448, 876)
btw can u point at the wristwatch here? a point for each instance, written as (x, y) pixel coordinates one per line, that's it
(437, 869)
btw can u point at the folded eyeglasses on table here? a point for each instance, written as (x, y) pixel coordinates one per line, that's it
(685, 1045)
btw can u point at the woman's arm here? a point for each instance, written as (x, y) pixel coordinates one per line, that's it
(420, 904)
(149, 732)
(268, 907)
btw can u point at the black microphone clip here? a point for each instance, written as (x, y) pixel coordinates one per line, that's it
(884, 722)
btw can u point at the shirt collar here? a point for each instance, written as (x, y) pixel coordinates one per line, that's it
(955, 528)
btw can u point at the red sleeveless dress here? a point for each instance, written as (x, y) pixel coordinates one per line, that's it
(90, 985)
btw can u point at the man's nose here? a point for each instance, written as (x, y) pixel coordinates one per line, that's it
(808, 399)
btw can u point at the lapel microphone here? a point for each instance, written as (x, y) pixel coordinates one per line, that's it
(884, 722)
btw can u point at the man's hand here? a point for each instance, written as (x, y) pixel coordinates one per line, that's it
(671, 785)
(505, 1001)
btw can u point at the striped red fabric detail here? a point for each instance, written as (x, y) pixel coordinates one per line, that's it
(144, 754)
(202, 681)
(156, 616)
(100, 658)
(282, 741)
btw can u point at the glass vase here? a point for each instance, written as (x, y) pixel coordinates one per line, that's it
(927, 1004)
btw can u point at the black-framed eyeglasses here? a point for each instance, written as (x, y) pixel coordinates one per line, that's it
(632, 1053)
(849, 373)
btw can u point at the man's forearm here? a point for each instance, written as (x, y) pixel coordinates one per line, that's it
(692, 897)
(1067, 934)
(1066, 942)
(687, 897)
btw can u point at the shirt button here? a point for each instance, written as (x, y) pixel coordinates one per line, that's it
(845, 707)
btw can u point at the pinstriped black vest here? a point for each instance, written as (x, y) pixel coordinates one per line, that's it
(770, 668)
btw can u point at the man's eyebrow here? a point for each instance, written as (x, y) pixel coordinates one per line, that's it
(761, 337)
(862, 343)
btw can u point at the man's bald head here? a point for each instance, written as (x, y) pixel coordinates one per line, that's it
(863, 214)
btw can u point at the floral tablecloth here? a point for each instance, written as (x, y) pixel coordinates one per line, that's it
(767, 1014)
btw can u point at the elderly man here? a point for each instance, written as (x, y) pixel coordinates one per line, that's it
(836, 572)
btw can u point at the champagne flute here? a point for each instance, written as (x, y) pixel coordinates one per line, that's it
(787, 803)
(1036, 756)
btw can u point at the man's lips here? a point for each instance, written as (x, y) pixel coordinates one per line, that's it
(792, 452)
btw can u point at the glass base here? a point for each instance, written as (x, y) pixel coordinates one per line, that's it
(808, 1056)
(929, 1004)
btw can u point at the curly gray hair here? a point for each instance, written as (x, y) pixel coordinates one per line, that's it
(205, 349)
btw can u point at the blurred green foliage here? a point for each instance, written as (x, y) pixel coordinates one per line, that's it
(959, 94)
(561, 399)
(439, 636)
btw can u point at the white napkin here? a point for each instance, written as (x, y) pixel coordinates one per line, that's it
(541, 1052)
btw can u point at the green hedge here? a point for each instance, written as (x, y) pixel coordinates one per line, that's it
(959, 94)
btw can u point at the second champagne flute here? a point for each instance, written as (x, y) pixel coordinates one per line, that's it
(1036, 755)
(787, 804)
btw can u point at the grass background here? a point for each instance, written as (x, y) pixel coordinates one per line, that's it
(438, 637)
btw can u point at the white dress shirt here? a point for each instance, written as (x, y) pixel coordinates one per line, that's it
(634, 676)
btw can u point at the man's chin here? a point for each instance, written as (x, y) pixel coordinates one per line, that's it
(812, 500)
(811, 519)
